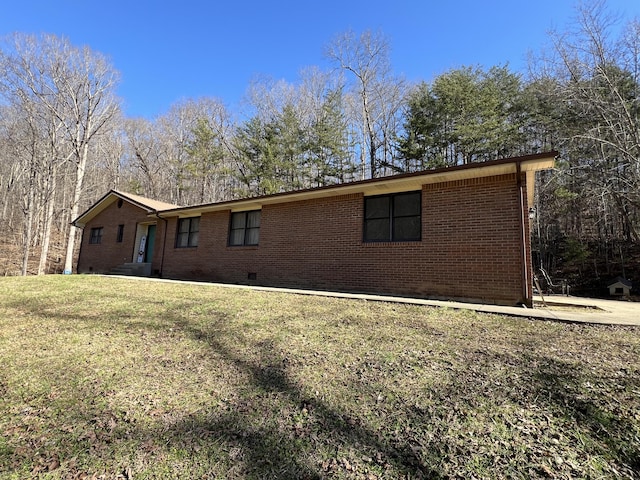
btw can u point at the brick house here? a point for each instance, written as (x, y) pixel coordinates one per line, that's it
(455, 233)
(113, 229)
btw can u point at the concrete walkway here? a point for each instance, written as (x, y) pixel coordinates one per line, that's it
(590, 310)
(558, 308)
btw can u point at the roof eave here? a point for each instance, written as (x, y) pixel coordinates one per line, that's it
(81, 220)
(103, 203)
(411, 181)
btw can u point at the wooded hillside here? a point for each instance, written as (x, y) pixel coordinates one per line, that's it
(64, 140)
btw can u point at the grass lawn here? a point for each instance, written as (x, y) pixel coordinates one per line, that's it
(111, 378)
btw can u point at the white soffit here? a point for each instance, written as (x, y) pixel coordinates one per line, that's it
(380, 186)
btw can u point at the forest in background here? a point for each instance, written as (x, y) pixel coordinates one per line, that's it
(64, 140)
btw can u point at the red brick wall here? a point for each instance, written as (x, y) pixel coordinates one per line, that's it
(470, 247)
(102, 257)
(475, 239)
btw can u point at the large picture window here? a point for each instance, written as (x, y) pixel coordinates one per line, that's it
(95, 236)
(245, 228)
(393, 218)
(188, 229)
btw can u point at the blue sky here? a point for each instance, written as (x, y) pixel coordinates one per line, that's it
(172, 50)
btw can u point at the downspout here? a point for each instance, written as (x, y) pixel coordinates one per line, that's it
(164, 240)
(528, 302)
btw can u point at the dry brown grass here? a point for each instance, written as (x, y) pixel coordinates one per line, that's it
(102, 377)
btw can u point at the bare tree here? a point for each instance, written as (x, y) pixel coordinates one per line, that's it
(183, 156)
(366, 57)
(77, 88)
(599, 80)
(109, 151)
(209, 149)
(11, 171)
(38, 146)
(267, 97)
(144, 158)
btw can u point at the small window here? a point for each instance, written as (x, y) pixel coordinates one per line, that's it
(393, 218)
(120, 235)
(245, 228)
(188, 229)
(96, 236)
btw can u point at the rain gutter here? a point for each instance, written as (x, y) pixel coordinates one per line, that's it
(526, 286)
(164, 239)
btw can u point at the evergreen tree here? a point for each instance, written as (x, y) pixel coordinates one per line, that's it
(329, 145)
(206, 154)
(290, 145)
(422, 146)
(257, 158)
(466, 115)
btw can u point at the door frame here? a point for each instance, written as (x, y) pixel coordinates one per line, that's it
(142, 230)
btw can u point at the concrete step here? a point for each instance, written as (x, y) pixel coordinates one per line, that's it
(132, 270)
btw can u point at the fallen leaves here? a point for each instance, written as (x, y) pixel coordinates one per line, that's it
(176, 381)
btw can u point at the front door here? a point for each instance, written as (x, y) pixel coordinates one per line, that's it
(151, 240)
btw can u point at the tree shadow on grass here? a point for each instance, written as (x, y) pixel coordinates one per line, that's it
(273, 446)
(257, 433)
(554, 407)
(581, 397)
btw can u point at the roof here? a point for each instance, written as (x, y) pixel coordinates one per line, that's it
(147, 204)
(528, 164)
(144, 202)
(620, 280)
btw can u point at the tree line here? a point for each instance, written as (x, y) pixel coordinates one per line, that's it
(64, 140)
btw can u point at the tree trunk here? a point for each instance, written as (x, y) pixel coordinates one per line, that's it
(48, 221)
(75, 203)
(28, 225)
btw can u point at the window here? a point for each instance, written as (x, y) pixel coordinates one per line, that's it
(120, 233)
(245, 228)
(188, 229)
(393, 218)
(96, 236)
